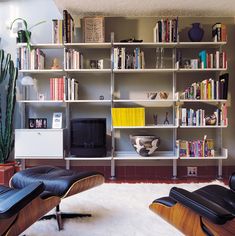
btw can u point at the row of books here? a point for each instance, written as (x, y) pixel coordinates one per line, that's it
(123, 59)
(219, 32)
(63, 88)
(73, 59)
(30, 60)
(166, 30)
(208, 89)
(196, 148)
(212, 60)
(128, 116)
(191, 117)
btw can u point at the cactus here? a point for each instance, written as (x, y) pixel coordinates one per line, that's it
(9, 75)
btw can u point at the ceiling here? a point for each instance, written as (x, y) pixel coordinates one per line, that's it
(202, 8)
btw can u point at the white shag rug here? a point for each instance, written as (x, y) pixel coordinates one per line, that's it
(117, 210)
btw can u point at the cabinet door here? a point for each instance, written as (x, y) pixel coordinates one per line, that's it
(39, 143)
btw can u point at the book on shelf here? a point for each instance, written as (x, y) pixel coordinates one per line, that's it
(68, 27)
(57, 31)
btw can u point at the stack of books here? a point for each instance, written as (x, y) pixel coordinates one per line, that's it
(196, 148)
(128, 116)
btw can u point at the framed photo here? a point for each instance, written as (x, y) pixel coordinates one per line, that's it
(32, 124)
(57, 120)
(37, 123)
(94, 29)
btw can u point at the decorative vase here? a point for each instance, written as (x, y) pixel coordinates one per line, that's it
(145, 145)
(196, 33)
(22, 38)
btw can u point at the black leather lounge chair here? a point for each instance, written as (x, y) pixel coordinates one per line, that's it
(21, 208)
(59, 182)
(207, 211)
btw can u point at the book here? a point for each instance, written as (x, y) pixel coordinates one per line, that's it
(223, 83)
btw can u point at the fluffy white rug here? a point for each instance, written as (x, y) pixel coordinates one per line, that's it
(117, 210)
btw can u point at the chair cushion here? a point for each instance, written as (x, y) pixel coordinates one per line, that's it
(219, 195)
(56, 180)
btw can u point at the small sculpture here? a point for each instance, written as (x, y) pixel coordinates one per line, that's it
(166, 121)
(101, 97)
(55, 64)
(163, 95)
(211, 120)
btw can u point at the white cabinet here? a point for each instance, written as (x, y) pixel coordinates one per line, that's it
(39, 143)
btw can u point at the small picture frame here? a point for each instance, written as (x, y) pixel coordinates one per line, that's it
(37, 123)
(57, 120)
(32, 124)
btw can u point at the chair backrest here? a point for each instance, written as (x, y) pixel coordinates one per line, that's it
(232, 181)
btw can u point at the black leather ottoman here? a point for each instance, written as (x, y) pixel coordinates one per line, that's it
(58, 182)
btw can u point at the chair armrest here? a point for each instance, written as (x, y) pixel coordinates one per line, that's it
(18, 200)
(232, 181)
(201, 205)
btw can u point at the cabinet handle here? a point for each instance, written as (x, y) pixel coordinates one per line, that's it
(39, 133)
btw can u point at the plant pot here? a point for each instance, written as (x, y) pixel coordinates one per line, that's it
(196, 33)
(6, 172)
(22, 38)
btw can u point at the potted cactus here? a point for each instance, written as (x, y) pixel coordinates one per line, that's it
(8, 77)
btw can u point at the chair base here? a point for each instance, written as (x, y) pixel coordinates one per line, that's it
(59, 216)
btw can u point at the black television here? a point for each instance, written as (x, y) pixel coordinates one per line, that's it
(88, 137)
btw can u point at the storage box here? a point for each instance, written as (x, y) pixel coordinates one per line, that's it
(128, 116)
(93, 28)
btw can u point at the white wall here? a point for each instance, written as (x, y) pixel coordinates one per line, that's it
(34, 11)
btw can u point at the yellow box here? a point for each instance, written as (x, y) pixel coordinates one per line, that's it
(128, 116)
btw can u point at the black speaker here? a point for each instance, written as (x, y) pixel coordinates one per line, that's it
(88, 137)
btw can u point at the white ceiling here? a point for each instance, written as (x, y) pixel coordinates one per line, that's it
(149, 7)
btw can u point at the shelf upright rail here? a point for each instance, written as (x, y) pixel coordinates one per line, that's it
(112, 105)
(174, 174)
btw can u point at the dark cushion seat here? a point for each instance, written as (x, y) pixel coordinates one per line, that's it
(56, 180)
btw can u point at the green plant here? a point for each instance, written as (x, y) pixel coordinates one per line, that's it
(27, 30)
(8, 75)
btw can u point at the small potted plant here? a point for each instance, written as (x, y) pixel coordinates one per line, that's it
(24, 35)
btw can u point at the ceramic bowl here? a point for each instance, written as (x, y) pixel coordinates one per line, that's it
(145, 145)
